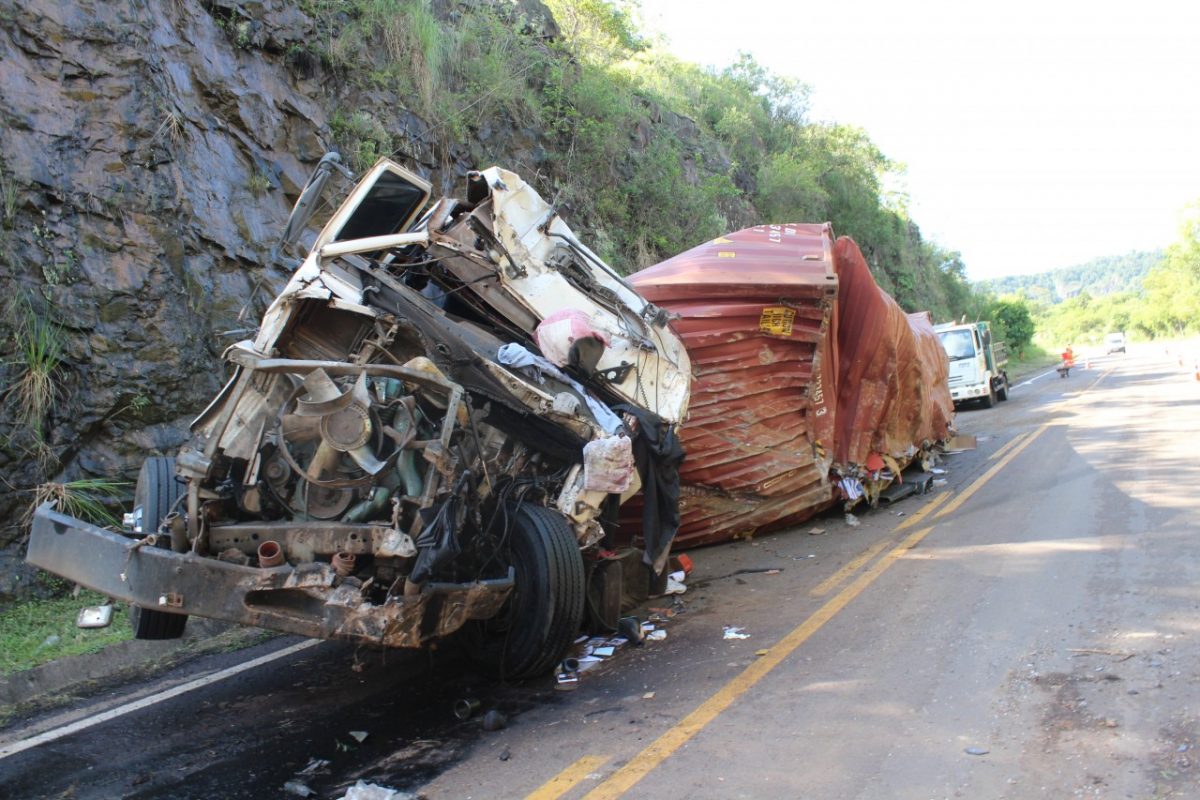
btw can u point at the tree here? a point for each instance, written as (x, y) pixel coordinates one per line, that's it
(1013, 323)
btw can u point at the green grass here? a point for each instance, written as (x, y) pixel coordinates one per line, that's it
(1033, 360)
(33, 389)
(28, 630)
(363, 138)
(8, 199)
(404, 32)
(258, 183)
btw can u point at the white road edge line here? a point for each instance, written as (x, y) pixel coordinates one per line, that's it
(1034, 378)
(21, 746)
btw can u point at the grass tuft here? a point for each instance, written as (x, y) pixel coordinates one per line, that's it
(171, 128)
(258, 183)
(32, 393)
(8, 199)
(88, 499)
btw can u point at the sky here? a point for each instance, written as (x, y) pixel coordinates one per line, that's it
(1035, 135)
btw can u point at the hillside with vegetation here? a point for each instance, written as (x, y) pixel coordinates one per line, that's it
(1163, 303)
(1098, 277)
(1145, 295)
(647, 154)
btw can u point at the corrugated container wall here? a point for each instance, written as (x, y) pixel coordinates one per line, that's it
(893, 396)
(801, 365)
(755, 310)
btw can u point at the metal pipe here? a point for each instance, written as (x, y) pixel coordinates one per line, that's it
(371, 507)
(270, 554)
(343, 564)
(177, 525)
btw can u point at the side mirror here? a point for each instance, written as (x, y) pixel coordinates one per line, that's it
(95, 617)
(310, 197)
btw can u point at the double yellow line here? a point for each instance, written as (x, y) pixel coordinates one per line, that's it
(679, 734)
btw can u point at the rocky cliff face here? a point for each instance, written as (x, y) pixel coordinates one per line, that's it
(149, 155)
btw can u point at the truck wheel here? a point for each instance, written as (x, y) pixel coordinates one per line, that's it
(990, 399)
(1002, 392)
(545, 610)
(155, 496)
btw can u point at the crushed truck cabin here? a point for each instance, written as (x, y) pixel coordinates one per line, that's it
(432, 428)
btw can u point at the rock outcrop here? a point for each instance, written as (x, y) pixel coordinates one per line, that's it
(149, 156)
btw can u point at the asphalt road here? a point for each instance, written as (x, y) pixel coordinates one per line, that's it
(1029, 629)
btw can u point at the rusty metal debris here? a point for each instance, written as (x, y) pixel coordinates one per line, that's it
(494, 720)
(466, 708)
(755, 309)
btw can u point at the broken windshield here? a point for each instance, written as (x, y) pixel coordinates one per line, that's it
(958, 344)
(388, 208)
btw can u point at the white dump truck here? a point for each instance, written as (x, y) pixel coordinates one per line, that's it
(976, 363)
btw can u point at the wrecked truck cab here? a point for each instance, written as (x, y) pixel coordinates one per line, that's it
(430, 430)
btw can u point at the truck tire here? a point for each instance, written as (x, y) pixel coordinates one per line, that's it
(155, 496)
(1002, 392)
(989, 399)
(545, 610)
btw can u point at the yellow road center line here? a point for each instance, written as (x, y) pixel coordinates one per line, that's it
(1068, 398)
(826, 586)
(568, 779)
(987, 476)
(661, 748)
(1011, 444)
(833, 581)
(923, 512)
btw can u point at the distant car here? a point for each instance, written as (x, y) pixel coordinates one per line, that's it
(1114, 343)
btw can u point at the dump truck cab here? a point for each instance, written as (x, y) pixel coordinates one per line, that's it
(977, 363)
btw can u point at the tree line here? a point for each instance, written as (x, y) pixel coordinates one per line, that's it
(1159, 298)
(645, 154)
(648, 155)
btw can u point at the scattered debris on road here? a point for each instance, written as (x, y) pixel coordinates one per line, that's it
(466, 708)
(370, 791)
(298, 789)
(494, 720)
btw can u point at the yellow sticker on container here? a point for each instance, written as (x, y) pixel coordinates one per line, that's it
(777, 320)
(726, 254)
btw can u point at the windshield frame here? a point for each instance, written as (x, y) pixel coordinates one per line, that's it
(957, 338)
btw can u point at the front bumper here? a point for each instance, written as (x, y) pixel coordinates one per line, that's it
(969, 392)
(308, 599)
